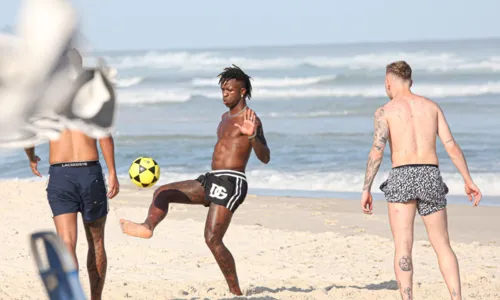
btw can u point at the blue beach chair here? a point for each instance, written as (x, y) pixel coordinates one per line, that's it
(56, 267)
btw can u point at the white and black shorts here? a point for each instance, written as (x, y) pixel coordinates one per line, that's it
(420, 182)
(225, 187)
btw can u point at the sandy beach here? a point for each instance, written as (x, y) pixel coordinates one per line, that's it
(285, 248)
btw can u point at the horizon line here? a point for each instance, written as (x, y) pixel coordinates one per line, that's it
(284, 45)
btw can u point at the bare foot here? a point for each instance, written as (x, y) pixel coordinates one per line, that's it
(135, 229)
(236, 291)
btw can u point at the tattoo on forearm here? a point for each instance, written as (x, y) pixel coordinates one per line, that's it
(453, 293)
(405, 263)
(380, 136)
(372, 167)
(260, 135)
(449, 141)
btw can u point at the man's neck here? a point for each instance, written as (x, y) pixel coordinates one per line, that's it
(401, 92)
(238, 107)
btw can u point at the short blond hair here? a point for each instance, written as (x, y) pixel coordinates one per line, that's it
(399, 68)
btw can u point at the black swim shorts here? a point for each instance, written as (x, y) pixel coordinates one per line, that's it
(225, 187)
(420, 182)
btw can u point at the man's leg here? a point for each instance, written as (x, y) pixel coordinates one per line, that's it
(66, 228)
(436, 225)
(96, 258)
(185, 192)
(401, 217)
(218, 220)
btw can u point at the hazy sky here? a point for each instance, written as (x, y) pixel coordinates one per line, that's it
(153, 24)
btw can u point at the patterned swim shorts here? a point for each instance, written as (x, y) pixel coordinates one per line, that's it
(421, 182)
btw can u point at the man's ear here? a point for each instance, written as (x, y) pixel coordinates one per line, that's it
(243, 92)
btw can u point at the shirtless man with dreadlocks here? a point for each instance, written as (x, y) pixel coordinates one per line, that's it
(223, 189)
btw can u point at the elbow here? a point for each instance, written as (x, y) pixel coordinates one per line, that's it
(106, 140)
(266, 159)
(376, 154)
(454, 150)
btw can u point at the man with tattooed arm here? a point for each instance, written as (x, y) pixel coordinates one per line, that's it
(411, 123)
(224, 188)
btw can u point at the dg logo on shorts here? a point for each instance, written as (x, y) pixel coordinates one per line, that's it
(225, 187)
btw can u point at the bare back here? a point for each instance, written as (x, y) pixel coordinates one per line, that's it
(413, 126)
(233, 149)
(73, 146)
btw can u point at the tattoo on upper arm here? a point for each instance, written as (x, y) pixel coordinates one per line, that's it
(381, 130)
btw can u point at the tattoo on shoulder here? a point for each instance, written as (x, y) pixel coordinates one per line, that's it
(260, 135)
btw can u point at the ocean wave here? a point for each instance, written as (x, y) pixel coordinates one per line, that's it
(269, 82)
(348, 181)
(209, 61)
(370, 91)
(128, 82)
(153, 96)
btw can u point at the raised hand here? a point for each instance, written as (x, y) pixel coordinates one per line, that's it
(249, 123)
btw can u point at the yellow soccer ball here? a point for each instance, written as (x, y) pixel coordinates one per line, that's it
(144, 172)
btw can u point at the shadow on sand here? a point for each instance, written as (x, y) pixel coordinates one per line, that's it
(252, 293)
(386, 285)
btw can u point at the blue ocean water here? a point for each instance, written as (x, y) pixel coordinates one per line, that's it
(316, 104)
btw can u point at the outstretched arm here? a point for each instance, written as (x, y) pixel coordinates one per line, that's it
(259, 143)
(380, 135)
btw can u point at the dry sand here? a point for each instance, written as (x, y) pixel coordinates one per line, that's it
(285, 248)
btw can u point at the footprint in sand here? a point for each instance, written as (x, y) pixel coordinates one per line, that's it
(331, 222)
(358, 229)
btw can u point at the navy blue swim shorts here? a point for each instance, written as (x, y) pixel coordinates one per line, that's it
(78, 187)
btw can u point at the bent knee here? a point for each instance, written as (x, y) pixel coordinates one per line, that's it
(212, 239)
(159, 190)
(164, 192)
